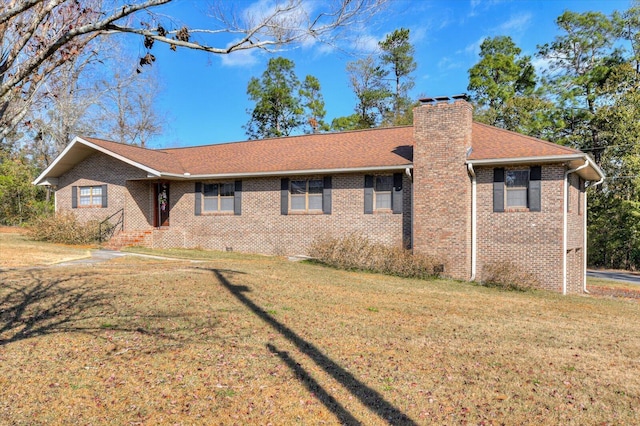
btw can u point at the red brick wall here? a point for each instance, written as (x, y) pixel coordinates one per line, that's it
(575, 239)
(99, 169)
(259, 229)
(532, 240)
(262, 229)
(442, 195)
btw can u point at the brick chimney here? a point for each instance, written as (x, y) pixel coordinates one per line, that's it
(442, 186)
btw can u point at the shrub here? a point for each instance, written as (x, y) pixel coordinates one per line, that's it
(63, 228)
(507, 276)
(356, 252)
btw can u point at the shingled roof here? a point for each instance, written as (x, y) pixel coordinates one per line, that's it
(372, 149)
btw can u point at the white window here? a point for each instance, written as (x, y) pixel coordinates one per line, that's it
(517, 184)
(383, 188)
(218, 197)
(91, 196)
(306, 195)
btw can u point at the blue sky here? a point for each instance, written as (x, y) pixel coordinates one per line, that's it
(203, 96)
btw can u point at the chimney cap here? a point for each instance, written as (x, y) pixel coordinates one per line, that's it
(440, 99)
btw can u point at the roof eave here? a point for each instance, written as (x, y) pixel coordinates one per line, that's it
(599, 174)
(45, 179)
(292, 172)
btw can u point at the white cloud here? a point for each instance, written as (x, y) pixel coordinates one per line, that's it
(240, 58)
(447, 63)
(473, 48)
(516, 23)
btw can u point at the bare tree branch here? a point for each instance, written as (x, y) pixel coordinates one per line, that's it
(17, 7)
(38, 36)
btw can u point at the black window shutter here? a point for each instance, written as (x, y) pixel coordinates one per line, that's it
(104, 196)
(284, 196)
(535, 180)
(237, 198)
(396, 198)
(198, 197)
(74, 197)
(368, 194)
(498, 190)
(326, 195)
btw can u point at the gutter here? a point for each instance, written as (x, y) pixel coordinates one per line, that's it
(474, 239)
(522, 160)
(188, 176)
(565, 203)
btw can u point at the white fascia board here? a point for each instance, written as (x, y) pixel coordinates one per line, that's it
(298, 172)
(77, 139)
(38, 180)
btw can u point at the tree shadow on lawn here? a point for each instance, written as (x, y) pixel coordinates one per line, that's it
(369, 397)
(33, 305)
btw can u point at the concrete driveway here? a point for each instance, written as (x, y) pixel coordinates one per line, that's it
(616, 276)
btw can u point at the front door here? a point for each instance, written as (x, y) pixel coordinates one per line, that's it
(162, 205)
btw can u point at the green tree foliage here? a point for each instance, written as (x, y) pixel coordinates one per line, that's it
(381, 85)
(278, 110)
(580, 61)
(283, 104)
(502, 85)
(614, 213)
(20, 201)
(342, 124)
(367, 79)
(313, 102)
(397, 57)
(594, 79)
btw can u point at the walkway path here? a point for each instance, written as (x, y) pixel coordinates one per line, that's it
(99, 256)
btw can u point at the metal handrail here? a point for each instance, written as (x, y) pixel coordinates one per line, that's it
(109, 229)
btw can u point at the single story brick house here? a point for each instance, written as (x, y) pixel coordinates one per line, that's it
(466, 193)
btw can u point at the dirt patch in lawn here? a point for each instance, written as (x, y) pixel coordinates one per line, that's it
(612, 288)
(258, 340)
(17, 250)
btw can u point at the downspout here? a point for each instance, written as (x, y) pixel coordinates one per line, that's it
(413, 212)
(474, 248)
(584, 244)
(564, 222)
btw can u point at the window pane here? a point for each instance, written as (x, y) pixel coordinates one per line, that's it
(85, 190)
(226, 190)
(517, 178)
(315, 187)
(210, 204)
(297, 202)
(298, 186)
(210, 190)
(384, 183)
(517, 197)
(96, 190)
(383, 200)
(85, 201)
(315, 202)
(226, 204)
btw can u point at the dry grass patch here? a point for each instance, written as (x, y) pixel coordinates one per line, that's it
(17, 250)
(258, 340)
(604, 287)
